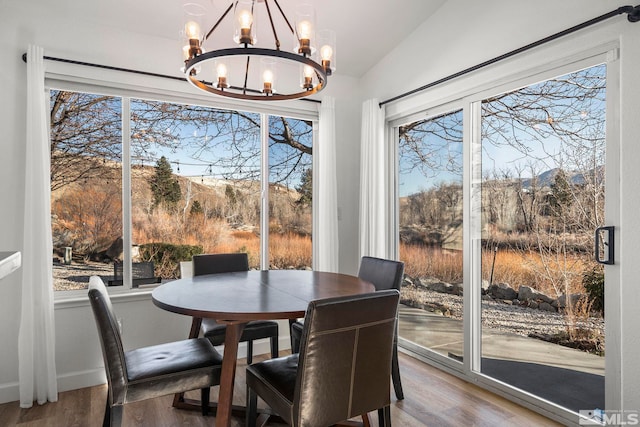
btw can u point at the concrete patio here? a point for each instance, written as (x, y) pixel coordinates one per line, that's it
(571, 378)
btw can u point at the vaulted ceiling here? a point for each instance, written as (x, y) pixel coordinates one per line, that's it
(366, 30)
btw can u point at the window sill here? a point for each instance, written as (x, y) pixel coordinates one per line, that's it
(80, 299)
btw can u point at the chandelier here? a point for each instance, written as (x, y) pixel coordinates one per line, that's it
(278, 69)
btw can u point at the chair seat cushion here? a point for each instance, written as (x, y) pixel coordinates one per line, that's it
(254, 330)
(275, 378)
(170, 358)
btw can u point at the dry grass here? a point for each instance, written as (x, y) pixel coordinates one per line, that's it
(290, 250)
(161, 226)
(287, 250)
(429, 261)
(517, 268)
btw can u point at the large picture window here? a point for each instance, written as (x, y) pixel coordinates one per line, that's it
(195, 175)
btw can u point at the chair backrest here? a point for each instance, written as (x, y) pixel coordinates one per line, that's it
(383, 273)
(220, 263)
(110, 340)
(345, 358)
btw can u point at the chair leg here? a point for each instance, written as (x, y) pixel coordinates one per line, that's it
(205, 393)
(106, 421)
(295, 338)
(395, 373)
(252, 408)
(249, 352)
(274, 347)
(291, 336)
(366, 422)
(384, 416)
(116, 415)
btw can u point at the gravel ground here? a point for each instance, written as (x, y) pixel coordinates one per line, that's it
(76, 275)
(498, 315)
(504, 317)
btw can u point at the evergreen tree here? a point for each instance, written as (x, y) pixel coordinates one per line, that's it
(306, 187)
(164, 186)
(561, 197)
(196, 208)
(230, 194)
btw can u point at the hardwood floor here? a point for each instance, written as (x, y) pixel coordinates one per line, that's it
(432, 398)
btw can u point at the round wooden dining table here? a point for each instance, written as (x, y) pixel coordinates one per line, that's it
(237, 298)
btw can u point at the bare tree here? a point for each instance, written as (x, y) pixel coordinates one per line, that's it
(86, 129)
(86, 134)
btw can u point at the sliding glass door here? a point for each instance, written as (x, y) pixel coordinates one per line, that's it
(542, 197)
(430, 233)
(499, 196)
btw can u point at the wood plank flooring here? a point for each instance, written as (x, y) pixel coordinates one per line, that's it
(433, 398)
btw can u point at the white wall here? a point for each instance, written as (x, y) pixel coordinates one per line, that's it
(348, 111)
(464, 33)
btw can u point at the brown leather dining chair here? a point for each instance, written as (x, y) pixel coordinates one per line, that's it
(214, 331)
(148, 372)
(384, 274)
(342, 369)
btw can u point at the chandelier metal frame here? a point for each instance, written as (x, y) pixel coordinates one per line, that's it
(198, 59)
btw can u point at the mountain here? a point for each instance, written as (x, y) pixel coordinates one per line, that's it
(547, 178)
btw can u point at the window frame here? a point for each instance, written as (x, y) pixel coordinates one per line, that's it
(78, 80)
(468, 93)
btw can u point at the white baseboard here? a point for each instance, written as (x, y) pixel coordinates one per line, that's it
(81, 379)
(10, 392)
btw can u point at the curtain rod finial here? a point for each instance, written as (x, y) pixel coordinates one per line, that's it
(633, 13)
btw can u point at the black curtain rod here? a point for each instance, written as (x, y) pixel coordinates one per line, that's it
(633, 15)
(126, 70)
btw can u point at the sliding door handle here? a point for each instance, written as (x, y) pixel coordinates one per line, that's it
(604, 245)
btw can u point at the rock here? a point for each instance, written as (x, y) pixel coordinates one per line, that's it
(545, 306)
(527, 293)
(485, 286)
(533, 304)
(441, 287)
(502, 291)
(457, 289)
(114, 252)
(573, 299)
(425, 282)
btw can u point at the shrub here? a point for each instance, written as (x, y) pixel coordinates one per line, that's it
(167, 257)
(593, 282)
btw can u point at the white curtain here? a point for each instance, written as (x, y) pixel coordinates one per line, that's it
(327, 233)
(36, 340)
(372, 181)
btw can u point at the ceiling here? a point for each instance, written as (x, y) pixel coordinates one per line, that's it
(366, 30)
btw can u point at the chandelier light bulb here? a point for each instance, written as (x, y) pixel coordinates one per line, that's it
(326, 52)
(308, 71)
(192, 30)
(245, 19)
(304, 30)
(307, 74)
(267, 76)
(267, 79)
(221, 69)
